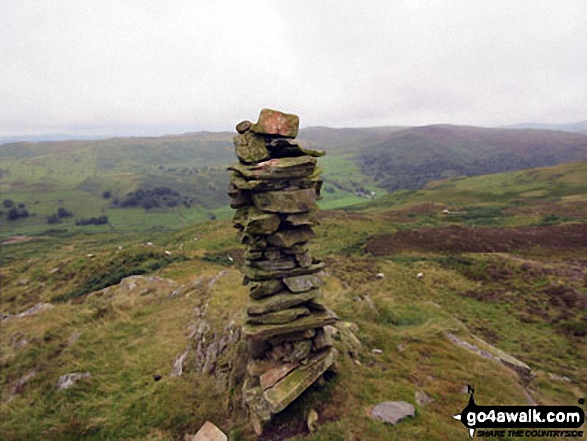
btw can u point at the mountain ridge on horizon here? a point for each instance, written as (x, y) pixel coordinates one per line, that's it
(576, 127)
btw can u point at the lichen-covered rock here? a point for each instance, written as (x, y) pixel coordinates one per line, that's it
(283, 168)
(273, 122)
(321, 340)
(278, 317)
(299, 219)
(312, 321)
(297, 201)
(257, 274)
(271, 265)
(273, 375)
(258, 222)
(250, 148)
(282, 300)
(258, 406)
(302, 283)
(265, 288)
(292, 337)
(300, 350)
(304, 260)
(290, 387)
(290, 237)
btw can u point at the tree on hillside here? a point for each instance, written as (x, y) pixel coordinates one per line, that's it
(12, 214)
(53, 219)
(63, 212)
(16, 213)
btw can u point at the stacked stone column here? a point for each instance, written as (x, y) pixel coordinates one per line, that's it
(274, 188)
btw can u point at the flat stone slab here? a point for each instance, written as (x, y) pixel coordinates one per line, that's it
(392, 412)
(282, 168)
(259, 275)
(272, 376)
(296, 382)
(276, 123)
(282, 147)
(279, 317)
(291, 237)
(292, 337)
(270, 265)
(302, 283)
(282, 300)
(240, 183)
(297, 201)
(265, 288)
(257, 222)
(313, 321)
(298, 219)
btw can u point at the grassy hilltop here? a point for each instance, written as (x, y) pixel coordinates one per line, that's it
(503, 264)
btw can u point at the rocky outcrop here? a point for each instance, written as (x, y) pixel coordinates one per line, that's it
(273, 189)
(485, 350)
(68, 380)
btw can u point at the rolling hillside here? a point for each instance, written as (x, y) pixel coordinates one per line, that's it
(426, 280)
(410, 158)
(172, 181)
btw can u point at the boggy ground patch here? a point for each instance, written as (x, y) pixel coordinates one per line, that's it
(458, 239)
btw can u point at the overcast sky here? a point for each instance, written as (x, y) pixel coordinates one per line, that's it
(153, 67)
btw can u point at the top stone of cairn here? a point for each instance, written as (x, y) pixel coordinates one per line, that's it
(275, 123)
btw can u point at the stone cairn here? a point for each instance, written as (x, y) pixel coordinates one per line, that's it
(274, 188)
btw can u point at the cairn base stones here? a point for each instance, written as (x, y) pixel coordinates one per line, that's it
(273, 189)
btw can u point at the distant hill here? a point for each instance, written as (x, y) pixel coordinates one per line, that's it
(408, 159)
(579, 127)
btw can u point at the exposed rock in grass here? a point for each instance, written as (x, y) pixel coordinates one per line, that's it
(33, 310)
(19, 384)
(208, 432)
(559, 378)
(392, 411)
(422, 398)
(177, 370)
(74, 337)
(68, 380)
(312, 420)
(485, 350)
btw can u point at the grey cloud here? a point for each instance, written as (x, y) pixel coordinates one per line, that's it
(100, 66)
